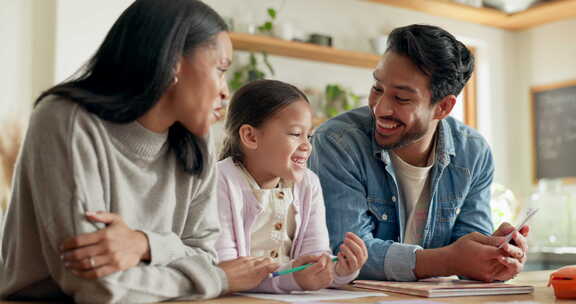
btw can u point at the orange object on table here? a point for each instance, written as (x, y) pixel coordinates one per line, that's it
(563, 281)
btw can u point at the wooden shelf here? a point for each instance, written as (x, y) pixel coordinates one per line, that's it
(546, 12)
(258, 43)
(275, 46)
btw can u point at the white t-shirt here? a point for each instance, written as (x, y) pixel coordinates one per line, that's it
(414, 183)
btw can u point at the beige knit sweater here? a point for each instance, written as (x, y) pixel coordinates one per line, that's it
(73, 162)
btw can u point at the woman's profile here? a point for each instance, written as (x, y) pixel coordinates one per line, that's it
(114, 191)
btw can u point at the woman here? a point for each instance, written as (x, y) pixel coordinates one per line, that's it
(113, 197)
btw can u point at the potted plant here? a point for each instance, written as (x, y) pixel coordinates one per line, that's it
(252, 71)
(338, 99)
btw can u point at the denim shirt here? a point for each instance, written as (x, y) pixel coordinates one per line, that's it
(362, 195)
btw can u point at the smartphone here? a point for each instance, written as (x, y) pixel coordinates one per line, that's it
(527, 215)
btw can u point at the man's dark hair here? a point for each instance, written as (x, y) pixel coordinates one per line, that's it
(438, 54)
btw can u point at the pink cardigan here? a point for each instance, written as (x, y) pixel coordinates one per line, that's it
(238, 210)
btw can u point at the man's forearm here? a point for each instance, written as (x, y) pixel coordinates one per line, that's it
(433, 263)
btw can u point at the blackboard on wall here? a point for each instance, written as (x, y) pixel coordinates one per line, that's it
(554, 120)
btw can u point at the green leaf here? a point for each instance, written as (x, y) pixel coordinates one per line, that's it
(255, 75)
(331, 112)
(339, 91)
(267, 62)
(259, 75)
(272, 13)
(345, 104)
(253, 61)
(355, 99)
(236, 81)
(266, 27)
(330, 92)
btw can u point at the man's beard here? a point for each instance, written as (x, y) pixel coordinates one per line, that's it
(412, 136)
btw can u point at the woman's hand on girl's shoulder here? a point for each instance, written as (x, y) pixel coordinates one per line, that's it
(352, 255)
(317, 276)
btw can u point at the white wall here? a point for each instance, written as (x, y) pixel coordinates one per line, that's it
(546, 55)
(80, 28)
(508, 62)
(552, 50)
(26, 54)
(15, 76)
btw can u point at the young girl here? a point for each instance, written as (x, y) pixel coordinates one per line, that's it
(270, 204)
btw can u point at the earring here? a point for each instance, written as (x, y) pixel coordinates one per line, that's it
(175, 80)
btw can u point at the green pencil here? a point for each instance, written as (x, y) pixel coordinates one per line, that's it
(291, 270)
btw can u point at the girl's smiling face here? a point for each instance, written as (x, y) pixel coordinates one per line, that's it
(282, 146)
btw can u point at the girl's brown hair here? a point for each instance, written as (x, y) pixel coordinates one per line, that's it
(253, 104)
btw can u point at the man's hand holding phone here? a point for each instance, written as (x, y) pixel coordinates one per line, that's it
(514, 253)
(527, 215)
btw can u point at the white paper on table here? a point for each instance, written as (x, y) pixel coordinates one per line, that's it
(514, 302)
(411, 302)
(317, 295)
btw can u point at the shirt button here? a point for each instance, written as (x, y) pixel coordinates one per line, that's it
(274, 254)
(384, 217)
(280, 195)
(394, 198)
(278, 226)
(457, 211)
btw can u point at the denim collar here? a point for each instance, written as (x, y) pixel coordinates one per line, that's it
(444, 146)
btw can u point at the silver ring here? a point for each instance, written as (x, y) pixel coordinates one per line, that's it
(92, 263)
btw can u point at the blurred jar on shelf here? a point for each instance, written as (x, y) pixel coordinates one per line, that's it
(571, 215)
(551, 226)
(503, 204)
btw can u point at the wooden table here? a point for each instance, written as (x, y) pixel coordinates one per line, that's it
(538, 279)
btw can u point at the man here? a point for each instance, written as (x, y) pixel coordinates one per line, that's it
(413, 182)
